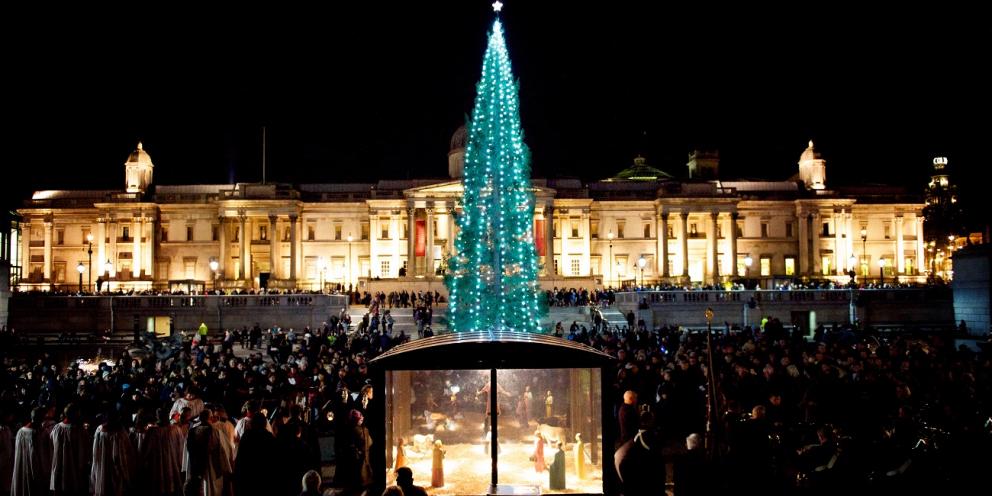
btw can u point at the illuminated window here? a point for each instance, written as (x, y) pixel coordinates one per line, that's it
(576, 267)
(365, 236)
(825, 263)
(263, 233)
(594, 229)
(385, 230)
(575, 228)
(766, 266)
(384, 267)
(693, 230)
(790, 266)
(620, 225)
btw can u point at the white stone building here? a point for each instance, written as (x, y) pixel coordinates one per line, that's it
(703, 229)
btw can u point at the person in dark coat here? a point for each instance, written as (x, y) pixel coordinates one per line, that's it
(556, 477)
(404, 479)
(253, 466)
(691, 473)
(628, 417)
(638, 459)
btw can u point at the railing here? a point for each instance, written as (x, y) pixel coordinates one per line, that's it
(904, 295)
(41, 300)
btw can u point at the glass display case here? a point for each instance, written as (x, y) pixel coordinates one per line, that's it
(544, 436)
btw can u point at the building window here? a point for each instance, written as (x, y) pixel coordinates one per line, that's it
(555, 223)
(576, 266)
(671, 231)
(719, 230)
(263, 233)
(764, 229)
(575, 228)
(595, 264)
(189, 233)
(213, 233)
(365, 235)
(825, 262)
(693, 230)
(60, 236)
(621, 265)
(85, 233)
(125, 233)
(384, 267)
(741, 266)
(620, 225)
(384, 230)
(910, 266)
(788, 229)
(286, 233)
(790, 266)
(59, 271)
(766, 266)
(826, 229)
(594, 229)
(164, 232)
(739, 225)
(888, 231)
(647, 231)
(406, 232)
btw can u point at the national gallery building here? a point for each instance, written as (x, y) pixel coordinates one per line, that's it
(640, 223)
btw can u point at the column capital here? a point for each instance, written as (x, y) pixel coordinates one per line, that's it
(293, 218)
(430, 210)
(684, 215)
(715, 214)
(735, 215)
(273, 218)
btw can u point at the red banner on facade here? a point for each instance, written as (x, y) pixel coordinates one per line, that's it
(539, 234)
(420, 242)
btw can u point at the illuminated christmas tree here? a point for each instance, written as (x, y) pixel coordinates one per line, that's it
(492, 281)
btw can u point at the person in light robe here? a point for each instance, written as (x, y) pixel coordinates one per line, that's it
(71, 451)
(113, 458)
(206, 465)
(29, 478)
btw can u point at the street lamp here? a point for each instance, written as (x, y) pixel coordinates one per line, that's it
(851, 261)
(89, 264)
(881, 271)
(321, 265)
(641, 262)
(747, 266)
(214, 265)
(610, 262)
(80, 268)
(107, 267)
(864, 250)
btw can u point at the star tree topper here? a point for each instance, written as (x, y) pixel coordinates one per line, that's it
(497, 6)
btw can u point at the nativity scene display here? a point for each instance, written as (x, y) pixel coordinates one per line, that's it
(548, 437)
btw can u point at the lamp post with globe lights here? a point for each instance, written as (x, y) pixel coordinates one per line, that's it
(89, 263)
(214, 265)
(747, 266)
(81, 269)
(350, 238)
(864, 251)
(107, 267)
(881, 271)
(609, 263)
(321, 266)
(641, 262)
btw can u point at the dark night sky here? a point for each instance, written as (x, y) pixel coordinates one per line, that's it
(376, 91)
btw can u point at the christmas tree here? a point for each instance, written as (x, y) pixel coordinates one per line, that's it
(492, 281)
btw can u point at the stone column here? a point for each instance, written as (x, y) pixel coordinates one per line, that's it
(222, 241)
(244, 247)
(429, 225)
(838, 248)
(451, 228)
(849, 248)
(48, 250)
(586, 245)
(920, 246)
(733, 244)
(714, 246)
(374, 270)
(394, 245)
(26, 250)
(817, 226)
(112, 256)
(804, 265)
(411, 238)
(684, 237)
(136, 251)
(292, 249)
(900, 250)
(663, 244)
(150, 252)
(565, 225)
(273, 247)
(101, 246)
(549, 239)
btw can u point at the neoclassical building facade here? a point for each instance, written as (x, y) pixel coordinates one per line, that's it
(643, 223)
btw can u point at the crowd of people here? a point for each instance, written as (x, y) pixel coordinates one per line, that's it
(843, 409)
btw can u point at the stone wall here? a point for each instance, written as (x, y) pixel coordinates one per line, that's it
(972, 295)
(42, 313)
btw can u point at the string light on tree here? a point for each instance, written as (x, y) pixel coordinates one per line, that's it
(493, 278)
